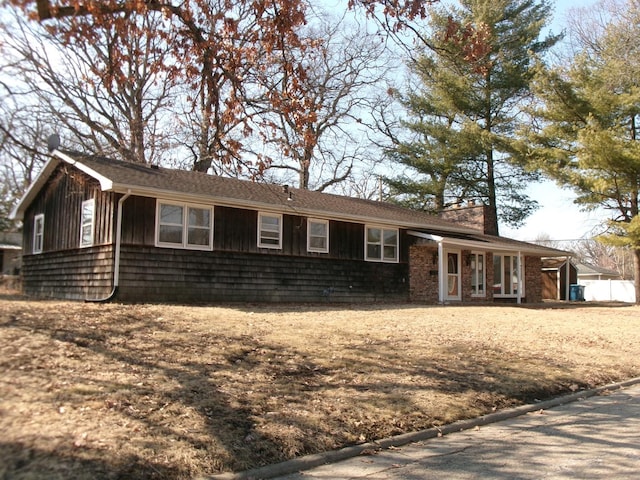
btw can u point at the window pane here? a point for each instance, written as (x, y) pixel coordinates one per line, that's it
(452, 285)
(171, 214)
(199, 217)
(477, 273)
(269, 241)
(389, 252)
(86, 235)
(318, 243)
(87, 210)
(497, 274)
(198, 236)
(318, 229)
(170, 234)
(86, 229)
(506, 274)
(270, 223)
(452, 263)
(374, 235)
(514, 275)
(390, 237)
(373, 251)
(38, 236)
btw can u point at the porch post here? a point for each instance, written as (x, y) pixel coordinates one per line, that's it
(441, 275)
(568, 278)
(519, 276)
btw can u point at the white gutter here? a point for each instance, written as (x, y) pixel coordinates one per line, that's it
(480, 245)
(105, 183)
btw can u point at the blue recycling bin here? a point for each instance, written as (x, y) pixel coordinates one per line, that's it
(576, 293)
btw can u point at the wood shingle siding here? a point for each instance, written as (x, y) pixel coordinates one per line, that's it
(84, 273)
(171, 275)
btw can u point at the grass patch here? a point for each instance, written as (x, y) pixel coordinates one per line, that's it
(157, 391)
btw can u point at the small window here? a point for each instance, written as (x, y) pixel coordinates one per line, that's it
(86, 227)
(381, 244)
(317, 235)
(38, 233)
(184, 226)
(269, 231)
(478, 274)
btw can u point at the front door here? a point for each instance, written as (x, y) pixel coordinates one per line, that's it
(453, 276)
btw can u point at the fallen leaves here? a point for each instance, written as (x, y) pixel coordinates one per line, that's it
(201, 390)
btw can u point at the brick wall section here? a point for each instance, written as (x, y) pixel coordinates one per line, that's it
(533, 279)
(478, 217)
(423, 277)
(423, 274)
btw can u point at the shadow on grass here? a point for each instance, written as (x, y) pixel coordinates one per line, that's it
(258, 402)
(20, 461)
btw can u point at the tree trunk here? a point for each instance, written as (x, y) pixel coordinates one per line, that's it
(492, 211)
(636, 273)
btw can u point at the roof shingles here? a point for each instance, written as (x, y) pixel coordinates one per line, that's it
(211, 189)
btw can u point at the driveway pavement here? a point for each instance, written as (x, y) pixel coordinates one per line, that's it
(597, 437)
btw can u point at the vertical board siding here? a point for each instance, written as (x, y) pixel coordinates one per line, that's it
(138, 220)
(61, 203)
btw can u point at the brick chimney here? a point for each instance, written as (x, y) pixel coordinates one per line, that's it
(471, 215)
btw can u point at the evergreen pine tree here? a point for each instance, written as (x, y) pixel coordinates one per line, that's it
(474, 80)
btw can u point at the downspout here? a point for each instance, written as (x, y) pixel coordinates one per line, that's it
(519, 277)
(116, 260)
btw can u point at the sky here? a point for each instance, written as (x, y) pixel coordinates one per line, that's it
(557, 218)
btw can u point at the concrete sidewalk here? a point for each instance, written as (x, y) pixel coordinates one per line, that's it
(593, 438)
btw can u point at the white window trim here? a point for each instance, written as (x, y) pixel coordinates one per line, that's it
(82, 224)
(519, 262)
(38, 246)
(314, 249)
(261, 215)
(366, 244)
(483, 274)
(185, 226)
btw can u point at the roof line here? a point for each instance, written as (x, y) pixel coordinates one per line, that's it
(105, 183)
(496, 246)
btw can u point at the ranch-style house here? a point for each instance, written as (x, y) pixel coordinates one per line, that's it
(100, 229)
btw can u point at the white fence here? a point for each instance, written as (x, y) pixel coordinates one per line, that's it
(609, 290)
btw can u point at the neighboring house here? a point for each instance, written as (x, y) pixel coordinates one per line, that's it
(10, 253)
(97, 229)
(593, 272)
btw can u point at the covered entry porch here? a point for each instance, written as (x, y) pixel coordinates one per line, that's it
(475, 268)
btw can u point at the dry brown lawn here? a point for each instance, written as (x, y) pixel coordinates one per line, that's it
(158, 391)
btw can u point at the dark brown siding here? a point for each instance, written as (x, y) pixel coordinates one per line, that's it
(168, 275)
(235, 229)
(79, 274)
(60, 201)
(236, 270)
(139, 220)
